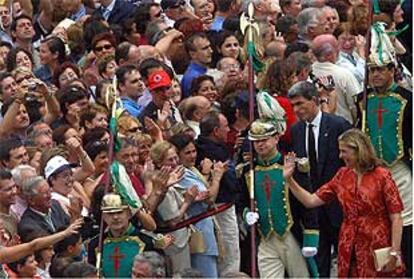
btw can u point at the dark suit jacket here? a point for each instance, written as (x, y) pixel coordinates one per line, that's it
(332, 127)
(33, 222)
(229, 189)
(121, 11)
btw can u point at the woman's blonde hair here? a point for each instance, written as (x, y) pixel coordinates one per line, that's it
(159, 152)
(22, 70)
(367, 160)
(142, 137)
(125, 121)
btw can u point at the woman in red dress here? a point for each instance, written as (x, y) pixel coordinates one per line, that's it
(371, 205)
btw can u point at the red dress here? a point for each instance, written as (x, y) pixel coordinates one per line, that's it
(366, 225)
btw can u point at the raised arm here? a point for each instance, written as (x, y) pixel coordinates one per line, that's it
(307, 199)
(14, 253)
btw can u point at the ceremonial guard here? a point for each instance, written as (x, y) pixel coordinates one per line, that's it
(122, 241)
(387, 113)
(281, 218)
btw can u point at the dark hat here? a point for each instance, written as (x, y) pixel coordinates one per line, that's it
(166, 4)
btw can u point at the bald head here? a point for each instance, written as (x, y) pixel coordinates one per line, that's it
(275, 49)
(194, 108)
(147, 51)
(325, 48)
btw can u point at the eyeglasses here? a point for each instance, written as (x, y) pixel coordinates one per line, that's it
(133, 130)
(106, 47)
(231, 67)
(20, 80)
(66, 175)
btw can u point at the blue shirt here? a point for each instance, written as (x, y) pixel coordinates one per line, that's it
(217, 24)
(44, 74)
(206, 225)
(131, 106)
(193, 70)
(79, 14)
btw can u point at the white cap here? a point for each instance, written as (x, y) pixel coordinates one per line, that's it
(55, 164)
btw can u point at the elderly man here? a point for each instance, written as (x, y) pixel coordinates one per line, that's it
(148, 265)
(122, 240)
(311, 23)
(43, 213)
(211, 144)
(231, 68)
(21, 174)
(325, 49)
(127, 53)
(193, 109)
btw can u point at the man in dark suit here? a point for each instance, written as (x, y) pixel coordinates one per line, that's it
(43, 213)
(115, 11)
(315, 136)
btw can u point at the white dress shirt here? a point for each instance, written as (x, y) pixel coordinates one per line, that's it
(316, 122)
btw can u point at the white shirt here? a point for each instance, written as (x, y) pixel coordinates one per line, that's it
(108, 9)
(346, 87)
(316, 122)
(354, 63)
(195, 126)
(65, 203)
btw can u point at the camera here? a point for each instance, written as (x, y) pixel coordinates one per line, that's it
(329, 86)
(32, 86)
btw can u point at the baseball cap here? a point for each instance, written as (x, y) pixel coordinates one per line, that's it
(158, 79)
(55, 165)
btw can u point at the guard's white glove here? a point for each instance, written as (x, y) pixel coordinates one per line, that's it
(251, 218)
(308, 252)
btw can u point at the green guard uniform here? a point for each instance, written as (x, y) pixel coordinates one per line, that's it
(283, 224)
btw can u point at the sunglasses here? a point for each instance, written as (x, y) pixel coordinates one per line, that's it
(20, 80)
(106, 47)
(133, 130)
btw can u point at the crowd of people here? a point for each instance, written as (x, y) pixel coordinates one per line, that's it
(131, 145)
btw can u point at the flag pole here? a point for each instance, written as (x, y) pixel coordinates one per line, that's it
(366, 77)
(248, 26)
(110, 94)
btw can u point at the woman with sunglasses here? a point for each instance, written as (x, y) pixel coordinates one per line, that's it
(103, 45)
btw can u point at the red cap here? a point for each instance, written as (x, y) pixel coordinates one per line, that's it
(158, 79)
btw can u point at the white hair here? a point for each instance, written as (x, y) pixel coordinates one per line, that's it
(23, 172)
(307, 18)
(29, 187)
